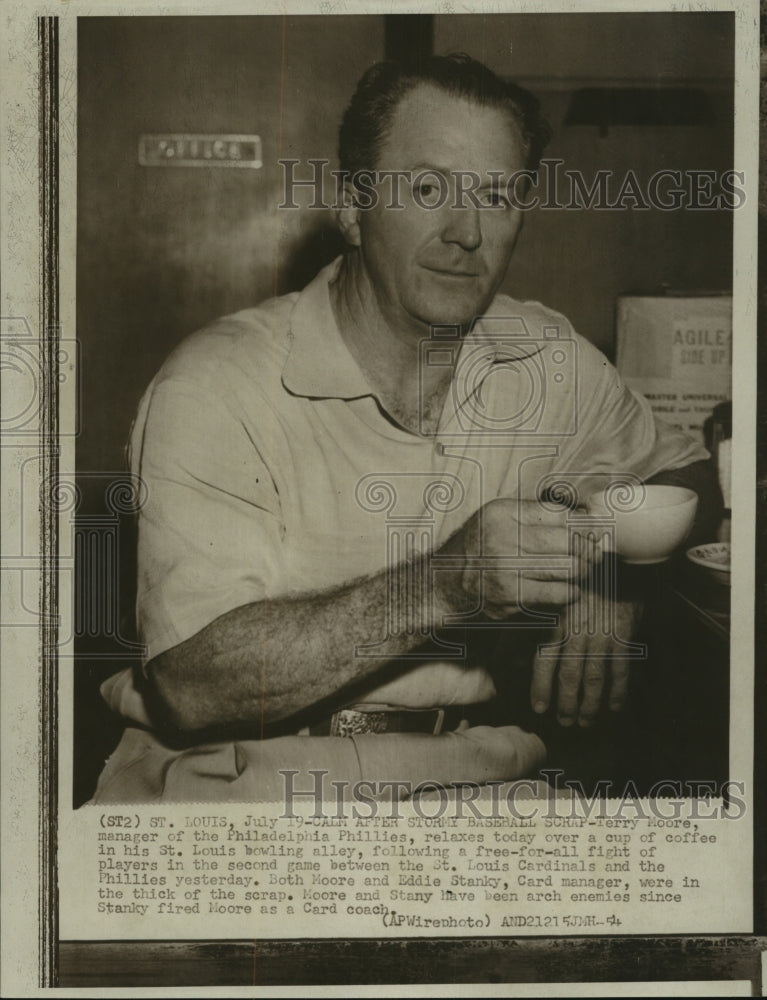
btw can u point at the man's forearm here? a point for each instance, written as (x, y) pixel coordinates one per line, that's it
(268, 660)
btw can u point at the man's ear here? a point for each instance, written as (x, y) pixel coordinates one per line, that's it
(348, 216)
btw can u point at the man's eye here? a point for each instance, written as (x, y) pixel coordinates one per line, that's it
(427, 195)
(494, 199)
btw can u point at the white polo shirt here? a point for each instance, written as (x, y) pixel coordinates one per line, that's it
(273, 470)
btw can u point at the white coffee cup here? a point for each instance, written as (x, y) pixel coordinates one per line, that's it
(651, 522)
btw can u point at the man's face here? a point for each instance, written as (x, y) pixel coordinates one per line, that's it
(440, 259)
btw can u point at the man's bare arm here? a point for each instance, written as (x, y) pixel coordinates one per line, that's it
(266, 661)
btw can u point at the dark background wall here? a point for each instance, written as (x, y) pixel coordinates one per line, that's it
(161, 251)
(579, 261)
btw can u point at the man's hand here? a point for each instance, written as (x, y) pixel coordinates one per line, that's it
(585, 660)
(506, 529)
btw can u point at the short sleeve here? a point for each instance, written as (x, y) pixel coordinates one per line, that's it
(617, 430)
(209, 534)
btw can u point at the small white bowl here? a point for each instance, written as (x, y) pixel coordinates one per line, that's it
(651, 527)
(714, 557)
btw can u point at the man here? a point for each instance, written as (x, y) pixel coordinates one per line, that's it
(334, 523)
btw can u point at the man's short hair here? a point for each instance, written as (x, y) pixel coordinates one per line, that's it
(368, 119)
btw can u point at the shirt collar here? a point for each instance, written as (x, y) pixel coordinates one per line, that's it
(319, 363)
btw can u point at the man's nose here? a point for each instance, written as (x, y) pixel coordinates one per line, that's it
(462, 226)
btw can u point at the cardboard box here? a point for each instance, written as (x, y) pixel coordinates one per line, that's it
(676, 349)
